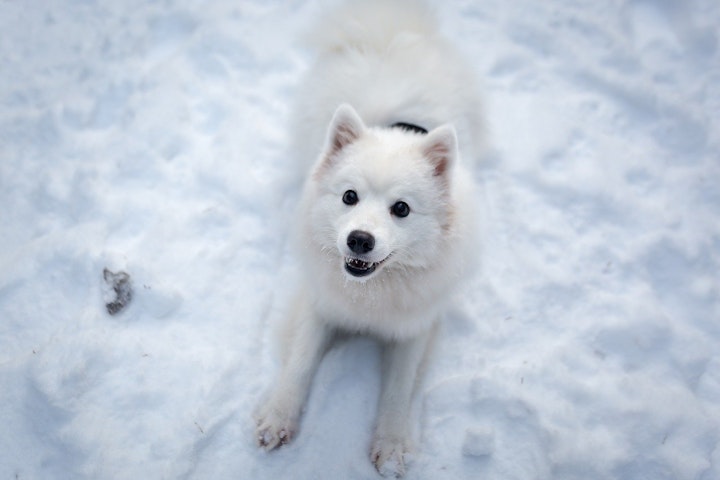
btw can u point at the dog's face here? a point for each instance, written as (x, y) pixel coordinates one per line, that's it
(381, 197)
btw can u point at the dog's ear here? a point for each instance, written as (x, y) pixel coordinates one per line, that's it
(346, 127)
(440, 148)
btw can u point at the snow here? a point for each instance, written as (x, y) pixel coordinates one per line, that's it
(149, 138)
(479, 441)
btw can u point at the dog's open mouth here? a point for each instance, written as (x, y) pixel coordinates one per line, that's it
(360, 268)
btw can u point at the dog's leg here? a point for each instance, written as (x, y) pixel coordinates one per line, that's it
(402, 363)
(277, 418)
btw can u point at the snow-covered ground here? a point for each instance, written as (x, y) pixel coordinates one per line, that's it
(150, 137)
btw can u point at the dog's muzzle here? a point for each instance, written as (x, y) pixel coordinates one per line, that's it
(360, 243)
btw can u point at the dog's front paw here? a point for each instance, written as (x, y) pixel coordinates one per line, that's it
(388, 456)
(274, 429)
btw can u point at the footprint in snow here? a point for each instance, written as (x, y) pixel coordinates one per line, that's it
(121, 294)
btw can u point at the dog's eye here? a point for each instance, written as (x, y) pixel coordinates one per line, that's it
(350, 197)
(400, 209)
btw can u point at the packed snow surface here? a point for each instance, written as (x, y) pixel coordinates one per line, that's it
(149, 137)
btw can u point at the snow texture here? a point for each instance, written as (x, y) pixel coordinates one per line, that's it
(149, 137)
(478, 442)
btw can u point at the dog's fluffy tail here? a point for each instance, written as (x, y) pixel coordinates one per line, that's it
(371, 24)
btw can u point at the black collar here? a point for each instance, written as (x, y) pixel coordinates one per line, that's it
(410, 127)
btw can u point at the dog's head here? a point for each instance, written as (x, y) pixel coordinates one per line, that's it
(381, 196)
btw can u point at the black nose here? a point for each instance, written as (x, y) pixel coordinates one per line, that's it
(360, 242)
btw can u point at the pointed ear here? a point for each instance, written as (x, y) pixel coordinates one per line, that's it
(346, 126)
(440, 148)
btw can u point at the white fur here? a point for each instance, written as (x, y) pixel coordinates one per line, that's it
(389, 71)
(387, 59)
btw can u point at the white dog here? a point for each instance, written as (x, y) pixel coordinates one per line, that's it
(387, 224)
